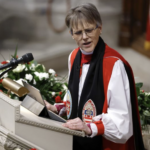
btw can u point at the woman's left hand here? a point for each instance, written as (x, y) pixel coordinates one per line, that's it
(78, 124)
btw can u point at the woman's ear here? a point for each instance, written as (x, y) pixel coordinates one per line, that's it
(100, 28)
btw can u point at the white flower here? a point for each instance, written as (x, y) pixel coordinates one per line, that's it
(53, 93)
(65, 87)
(147, 93)
(41, 75)
(36, 73)
(52, 71)
(32, 67)
(29, 77)
(20, 81)
(26, 69)
(8, 61)
(45, 75)
(19, 68)
(34, 82)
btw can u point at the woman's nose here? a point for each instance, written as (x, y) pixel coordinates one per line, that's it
(84, 35)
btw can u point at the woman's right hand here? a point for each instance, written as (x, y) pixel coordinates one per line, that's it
(50, 107)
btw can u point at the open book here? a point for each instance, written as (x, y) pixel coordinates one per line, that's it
(35, 103)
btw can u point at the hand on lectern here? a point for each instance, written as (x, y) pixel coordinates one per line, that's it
(50, 107)
(78, 124)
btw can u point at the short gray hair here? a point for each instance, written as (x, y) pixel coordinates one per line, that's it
(86, 12)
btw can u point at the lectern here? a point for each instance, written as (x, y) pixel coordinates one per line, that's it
(20, 128)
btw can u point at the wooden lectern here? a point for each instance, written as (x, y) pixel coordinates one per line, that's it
(20, 128)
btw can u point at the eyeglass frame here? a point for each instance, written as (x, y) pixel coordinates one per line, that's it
(85, 31)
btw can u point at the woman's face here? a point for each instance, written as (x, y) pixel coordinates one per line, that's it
(86, 35)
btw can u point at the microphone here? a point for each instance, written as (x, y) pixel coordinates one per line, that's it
(14, 62)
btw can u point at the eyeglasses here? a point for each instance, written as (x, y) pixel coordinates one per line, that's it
(89, 32)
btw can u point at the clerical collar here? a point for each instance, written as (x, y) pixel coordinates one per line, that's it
(86, 53)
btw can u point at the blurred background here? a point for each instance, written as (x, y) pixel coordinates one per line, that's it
(38, 26)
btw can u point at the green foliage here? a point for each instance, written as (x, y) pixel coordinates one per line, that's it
(144, 105)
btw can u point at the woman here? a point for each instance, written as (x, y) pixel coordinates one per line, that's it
(101, 84)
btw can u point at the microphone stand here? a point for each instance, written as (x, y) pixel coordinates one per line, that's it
(9, 69)
(14, 65)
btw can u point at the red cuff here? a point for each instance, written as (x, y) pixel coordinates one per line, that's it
(59, 107)
(100, 127)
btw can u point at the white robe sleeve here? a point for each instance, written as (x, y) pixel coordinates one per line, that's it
(118, 119)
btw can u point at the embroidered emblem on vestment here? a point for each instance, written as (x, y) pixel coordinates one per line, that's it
(89, 111)
(68, 104)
